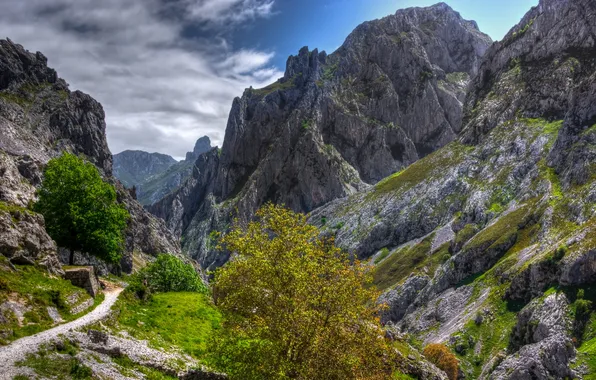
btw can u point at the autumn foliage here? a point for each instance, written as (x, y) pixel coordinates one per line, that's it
(295, 306)
(440, 356)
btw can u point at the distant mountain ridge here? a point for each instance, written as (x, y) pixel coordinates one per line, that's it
(155, 175)
(132, 167)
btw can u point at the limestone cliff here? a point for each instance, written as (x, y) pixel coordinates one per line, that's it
(39, 119)
(334, 124)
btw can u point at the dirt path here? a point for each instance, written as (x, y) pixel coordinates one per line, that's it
(19, 349)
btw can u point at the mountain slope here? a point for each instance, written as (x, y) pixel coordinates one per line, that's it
(489, 242)
(39, 119)
(132, 167)
(155, 175)
(333, 124)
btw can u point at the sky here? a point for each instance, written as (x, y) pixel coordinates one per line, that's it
(166, 71)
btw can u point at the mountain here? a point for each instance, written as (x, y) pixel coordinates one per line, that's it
(334, 124)
(39, 119)
(132, 167)
(488, 244)
(155, 175)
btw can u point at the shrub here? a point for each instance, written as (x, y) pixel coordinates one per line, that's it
(384, 253)
(560, 252)
(439, 355)
(582, 309)
(167, 274)
(80, 209)
(295, 306)
(80, 371)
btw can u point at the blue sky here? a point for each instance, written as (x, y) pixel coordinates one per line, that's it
(325, 24)
(166, 71)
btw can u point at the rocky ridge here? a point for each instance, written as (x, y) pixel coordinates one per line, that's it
(39, 119)
(517, 191)
(334, 124)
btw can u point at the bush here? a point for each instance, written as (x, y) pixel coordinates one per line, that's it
(440, 356)
(167, 274)
(582, 309)
(560, 253)
(295, 306)
(80, 209)
(384, 253)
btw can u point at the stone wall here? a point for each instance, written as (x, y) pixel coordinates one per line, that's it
(83, 277)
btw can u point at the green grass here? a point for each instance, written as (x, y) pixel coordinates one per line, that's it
(503, 229)
(37, 290)
(465, 234)
(420, 171)
(493, 335)
(384, 253)
(128, 368)
(49, 364)
(183, 320)
(275, 86)
(407, 260)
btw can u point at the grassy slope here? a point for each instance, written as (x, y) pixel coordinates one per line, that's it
(37, 290)
(183, 321)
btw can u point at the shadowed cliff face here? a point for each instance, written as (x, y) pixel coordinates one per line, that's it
(39, 119)
(334, 124)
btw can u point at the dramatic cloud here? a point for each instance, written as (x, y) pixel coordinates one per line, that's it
(161, 88)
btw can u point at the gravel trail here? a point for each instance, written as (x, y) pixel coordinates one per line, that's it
(18, 350)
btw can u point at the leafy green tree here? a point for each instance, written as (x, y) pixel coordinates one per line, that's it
(295, 306)
(80, 209)
(169, 274)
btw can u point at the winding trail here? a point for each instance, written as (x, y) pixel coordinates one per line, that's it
(18, 350)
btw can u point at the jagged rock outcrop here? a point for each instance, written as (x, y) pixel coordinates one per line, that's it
(39, 119)
(517, 188)
(334, 124)
(202, 145)
(541, 341)
(154, 181)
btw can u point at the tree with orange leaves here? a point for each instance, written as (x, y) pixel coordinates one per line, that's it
(440, 356)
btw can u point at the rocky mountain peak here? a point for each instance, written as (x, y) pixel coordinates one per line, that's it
(18, 66)
(304, 66)
(202, 145)
(334, 124)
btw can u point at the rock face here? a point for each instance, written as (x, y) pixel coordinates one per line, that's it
(546, 349)
(517, 189)
(153, 181)
(333, 124)
(39, 119)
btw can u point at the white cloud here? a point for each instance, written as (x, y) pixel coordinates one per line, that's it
(160, 91)
(220, 11)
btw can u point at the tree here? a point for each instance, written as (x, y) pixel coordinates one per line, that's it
(295, 306)
(444, 359)
(80, 209)
(170, 274)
